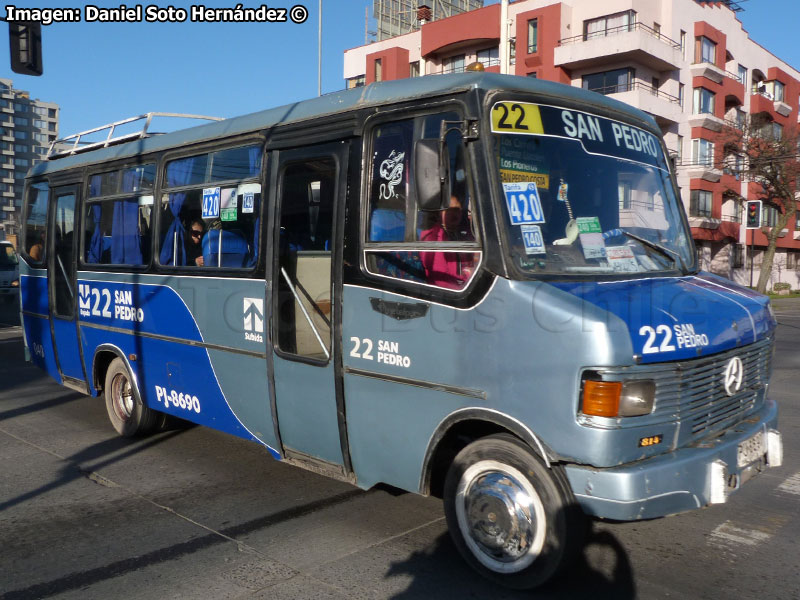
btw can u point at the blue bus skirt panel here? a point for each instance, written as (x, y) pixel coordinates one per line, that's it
(190, 360)
(34, 299)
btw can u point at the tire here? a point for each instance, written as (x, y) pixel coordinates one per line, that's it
(125, 409)
(516, 544)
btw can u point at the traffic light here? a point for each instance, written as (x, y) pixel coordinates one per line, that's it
(26, 47)
(753, 214)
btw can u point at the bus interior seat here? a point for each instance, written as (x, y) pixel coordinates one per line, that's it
(234, 248)
(389, 225)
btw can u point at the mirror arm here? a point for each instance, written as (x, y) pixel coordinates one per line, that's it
(468, 130)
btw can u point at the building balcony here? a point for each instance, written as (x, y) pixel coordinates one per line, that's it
(706, 172)
(707, 121)
(782, 108)
(8, 166)
(7, 109)
(7, 193)
(7, 180)
(628, 43)
(709, 71)
(664, 107)
(704, 222)
(761, 102)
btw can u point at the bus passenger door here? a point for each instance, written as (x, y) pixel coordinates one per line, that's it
(63, 293)
(310, 187)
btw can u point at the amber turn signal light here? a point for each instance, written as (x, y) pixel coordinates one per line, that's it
(601, 398)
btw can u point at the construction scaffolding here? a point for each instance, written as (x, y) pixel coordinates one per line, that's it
(396, 17)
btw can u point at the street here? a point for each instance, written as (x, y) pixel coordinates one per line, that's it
(193, 513)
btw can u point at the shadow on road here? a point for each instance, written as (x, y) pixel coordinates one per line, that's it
(441, 573)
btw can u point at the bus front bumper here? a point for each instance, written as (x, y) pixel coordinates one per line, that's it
(685, 479)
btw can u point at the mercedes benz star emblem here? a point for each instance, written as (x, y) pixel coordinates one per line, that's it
(733, 376)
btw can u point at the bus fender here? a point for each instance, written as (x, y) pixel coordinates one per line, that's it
(497, 419)
(97, 378)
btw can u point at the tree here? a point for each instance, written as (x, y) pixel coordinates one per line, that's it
(769, 156)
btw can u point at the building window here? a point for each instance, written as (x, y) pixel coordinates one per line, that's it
(532, 75)
(489, 57)
(40, 124)
(700, 203)
(702, 152)
(624, 193)
(703, 101)
(413, 69)
(19, 107)
(681, 93)
(512, 51)
(20, 121)
(378, 69)
(609, 24)
(743, 74)
(769, 216)
(453, 64)
(21, 162)
(609, 82)
(533, 36)
(738, 256)
(40, 110)
(51, 112)
(705, 50)
(778, 91)
(679, 153)
(683, 43)
(21, 148)
(353, 82)
(20, 135)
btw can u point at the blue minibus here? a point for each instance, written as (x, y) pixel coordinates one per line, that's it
(478, 287)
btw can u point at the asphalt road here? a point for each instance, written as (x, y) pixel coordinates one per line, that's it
(192, 513)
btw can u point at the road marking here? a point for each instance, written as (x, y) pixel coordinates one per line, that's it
(791, 485)
(730, 537)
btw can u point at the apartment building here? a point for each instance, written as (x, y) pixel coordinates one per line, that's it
(27, 126)
(689, 64)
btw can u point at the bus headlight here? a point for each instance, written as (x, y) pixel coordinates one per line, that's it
(618, 398)
(15, 283)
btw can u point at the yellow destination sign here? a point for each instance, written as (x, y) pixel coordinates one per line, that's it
(516, 117)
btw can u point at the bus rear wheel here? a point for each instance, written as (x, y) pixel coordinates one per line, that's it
(127, 413)
(512, 519)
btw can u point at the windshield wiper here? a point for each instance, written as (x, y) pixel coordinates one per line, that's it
(675, 257)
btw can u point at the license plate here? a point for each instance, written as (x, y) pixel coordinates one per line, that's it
(751, 450)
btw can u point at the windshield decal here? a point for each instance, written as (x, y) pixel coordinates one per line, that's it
(598, 135)
(524, 205)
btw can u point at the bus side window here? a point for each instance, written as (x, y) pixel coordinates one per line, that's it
(36, 223)
(304, 277)
(396, 228)
(215, 222)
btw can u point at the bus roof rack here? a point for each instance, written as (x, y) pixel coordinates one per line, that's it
(67, 146)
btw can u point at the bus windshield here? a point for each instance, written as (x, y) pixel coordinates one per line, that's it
(585, 194)
(8, 257)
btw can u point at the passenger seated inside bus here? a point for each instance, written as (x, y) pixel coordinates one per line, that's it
(194, 247)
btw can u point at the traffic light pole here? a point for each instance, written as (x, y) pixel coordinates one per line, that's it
(752, 256)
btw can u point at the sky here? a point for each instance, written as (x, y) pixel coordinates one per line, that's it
(103, 72)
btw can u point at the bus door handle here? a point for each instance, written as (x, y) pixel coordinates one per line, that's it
(401, 311)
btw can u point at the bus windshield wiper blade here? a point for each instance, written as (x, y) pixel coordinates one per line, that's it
(675, 257)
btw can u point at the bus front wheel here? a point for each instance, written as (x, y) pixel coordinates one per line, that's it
(513, 519)
(128, 415)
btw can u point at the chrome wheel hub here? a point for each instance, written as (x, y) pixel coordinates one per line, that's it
(122, 395)
(501, 516)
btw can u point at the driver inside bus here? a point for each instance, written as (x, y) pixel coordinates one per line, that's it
(447, 269)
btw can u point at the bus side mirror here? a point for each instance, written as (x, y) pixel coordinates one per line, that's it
(26, 48)
(431, 174)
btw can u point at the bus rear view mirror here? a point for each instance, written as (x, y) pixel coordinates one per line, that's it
(431, 174)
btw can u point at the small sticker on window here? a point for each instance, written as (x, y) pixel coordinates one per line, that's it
(621, 259)
(228, 205)
(248, 203)
(211, 203)
(589, 225)
(592, 244)
(532, 239)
